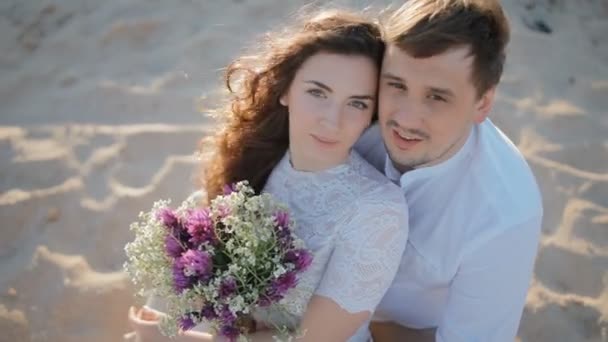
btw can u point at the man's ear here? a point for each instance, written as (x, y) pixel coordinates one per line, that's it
(484, 105)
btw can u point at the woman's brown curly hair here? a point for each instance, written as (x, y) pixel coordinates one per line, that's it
(255, 132)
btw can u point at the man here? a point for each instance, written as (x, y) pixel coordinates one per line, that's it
(475, 208)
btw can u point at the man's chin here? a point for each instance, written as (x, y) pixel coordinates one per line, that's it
(403, 165)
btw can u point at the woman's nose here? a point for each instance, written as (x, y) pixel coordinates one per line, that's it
(332, 117)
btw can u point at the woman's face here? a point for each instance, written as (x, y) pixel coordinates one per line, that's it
(330, 102)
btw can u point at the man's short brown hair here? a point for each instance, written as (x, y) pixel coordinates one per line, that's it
(425, 28)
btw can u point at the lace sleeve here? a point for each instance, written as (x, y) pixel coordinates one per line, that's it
(367, 253)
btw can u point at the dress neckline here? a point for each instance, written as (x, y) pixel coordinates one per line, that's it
(286, 165)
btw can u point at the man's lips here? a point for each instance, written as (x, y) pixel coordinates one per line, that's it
(405, 141)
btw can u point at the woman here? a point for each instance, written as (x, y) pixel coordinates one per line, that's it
(298, 108)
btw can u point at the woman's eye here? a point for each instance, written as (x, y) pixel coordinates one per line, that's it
(359, 105)
(316, 93)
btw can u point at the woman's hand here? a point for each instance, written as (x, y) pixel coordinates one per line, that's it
(145, 329)
(144, 323)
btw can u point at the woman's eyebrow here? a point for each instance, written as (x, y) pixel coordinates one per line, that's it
(320, 85)
(326, 87)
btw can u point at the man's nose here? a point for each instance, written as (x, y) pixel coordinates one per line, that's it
(408, 113)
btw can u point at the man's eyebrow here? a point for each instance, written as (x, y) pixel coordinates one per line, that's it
(392, 77)
(442, 91)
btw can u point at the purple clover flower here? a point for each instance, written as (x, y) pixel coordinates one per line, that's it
(168, 217)
(199, 225)
(192, 266)
(282, 219)
(228, 189)
(182, 235)
(282, 231)
(197, 263)
(186, 322)
(208, 312)
(264, 301)
(279, 287)
(227, 287)
(226, 316)
(301, 259)
(181, 282)
(284, 239)
(173, 247)
(230, 332)
(174, 225)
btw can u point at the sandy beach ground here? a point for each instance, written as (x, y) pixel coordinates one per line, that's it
(102, 105)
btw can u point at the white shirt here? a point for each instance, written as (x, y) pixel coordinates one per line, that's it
(475, 223)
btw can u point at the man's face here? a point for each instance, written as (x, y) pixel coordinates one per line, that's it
(427, 106)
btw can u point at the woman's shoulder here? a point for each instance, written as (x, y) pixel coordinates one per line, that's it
(376, 201)
(375, 186)
(378, 215)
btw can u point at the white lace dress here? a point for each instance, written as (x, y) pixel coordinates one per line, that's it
(355, 222)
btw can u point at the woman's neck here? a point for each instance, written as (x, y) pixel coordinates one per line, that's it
(304, 163)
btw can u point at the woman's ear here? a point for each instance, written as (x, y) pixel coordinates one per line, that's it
(283, 100)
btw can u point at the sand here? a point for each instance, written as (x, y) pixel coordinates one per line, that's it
(102, 107)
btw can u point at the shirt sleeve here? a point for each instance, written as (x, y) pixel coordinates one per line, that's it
(487, 295)
(366, 256)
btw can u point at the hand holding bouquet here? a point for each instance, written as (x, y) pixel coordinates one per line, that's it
(219, 263)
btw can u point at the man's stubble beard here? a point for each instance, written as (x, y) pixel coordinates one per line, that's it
(426, 160)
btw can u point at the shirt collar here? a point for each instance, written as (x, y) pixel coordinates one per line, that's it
(424, 173)
(390, 171)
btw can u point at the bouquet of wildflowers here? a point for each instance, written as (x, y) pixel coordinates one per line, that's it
(219, 263)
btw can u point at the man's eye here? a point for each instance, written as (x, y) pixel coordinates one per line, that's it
(397, 85)
(436, 97)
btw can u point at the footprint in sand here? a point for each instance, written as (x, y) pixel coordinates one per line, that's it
(13, 324)
(586, 221)
(62, 288)
(567, 323)
(566, 271)
(139, 165)
(554, 199)
(136, 31)
(25, 155)
(587, 156)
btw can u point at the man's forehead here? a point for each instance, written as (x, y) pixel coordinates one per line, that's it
(454, 64)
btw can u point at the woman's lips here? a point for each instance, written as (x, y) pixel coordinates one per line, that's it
(324, 141)
(404, 143)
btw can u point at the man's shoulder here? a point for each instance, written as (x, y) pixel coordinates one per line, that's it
(502, 180)
(503, 171)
